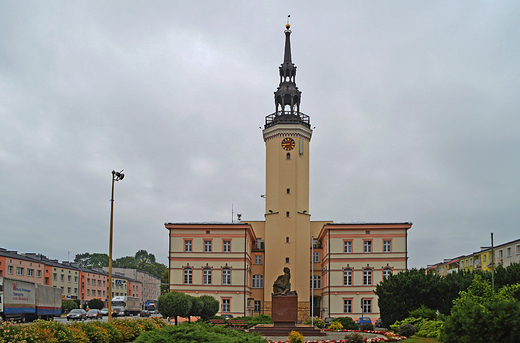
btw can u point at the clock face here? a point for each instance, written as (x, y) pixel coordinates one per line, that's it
(288, 144)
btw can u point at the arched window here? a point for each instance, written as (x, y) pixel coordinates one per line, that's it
(226, 276)
(386, 273)
(317, 282)
(258, 281)
(367, 277)
(288, 156)
(188, 276)
(347, 277)
(207, 276)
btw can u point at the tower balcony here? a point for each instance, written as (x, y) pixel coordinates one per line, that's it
(287, 118)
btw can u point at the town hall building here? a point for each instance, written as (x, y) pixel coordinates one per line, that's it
(334, 267)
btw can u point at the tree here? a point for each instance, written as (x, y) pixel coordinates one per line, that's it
(96, 304)
(211, 307)
(68, 305)
(481, 315)
(174, 304)
(165, 281)
(92, 260)
(197, 305)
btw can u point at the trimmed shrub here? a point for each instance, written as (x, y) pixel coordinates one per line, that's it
(96, 304)
(335, 326)
(430, 329)
(407, 330)
(366, 327)
(295, 337)
(424, 312)
(354, 337)
(347, 323)
(318, 322)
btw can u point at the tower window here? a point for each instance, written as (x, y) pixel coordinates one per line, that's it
(288, 191)
(288, 156)
(286, 239)
(287, 214)
(287, 260)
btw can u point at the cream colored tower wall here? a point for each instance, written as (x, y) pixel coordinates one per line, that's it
(287, 225)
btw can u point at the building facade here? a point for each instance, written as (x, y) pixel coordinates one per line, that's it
(504, 255)
(333, 266)
(151, 285)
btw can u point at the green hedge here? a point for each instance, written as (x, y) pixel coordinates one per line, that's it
(121, 330)
(198, 332)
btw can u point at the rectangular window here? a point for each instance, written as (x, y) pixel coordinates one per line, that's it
(68, 290)
(348, 247)
(75, 291)
(484, 258)
(258, 259)
(508, 252)
(99, 283)
(226, 305)
(387, 246)
(518, 249)
(315, 257)
(347, 306)
(367, 277)
(207, 276)
(227, 246)
(226, 276)
(75, 279)
(258, 306)
(287, 260)
(367, 305)
(207, 246)
(317, 282)
(30, 272)
(99, 293)
(62, 278)
(88, 292)
(46, 280)
(258, 281)
(9, 269)
(368, 246)
(69, 278)
(347, 277)
(55, 277)
(187, 245)
(39, 273)
(19, 271)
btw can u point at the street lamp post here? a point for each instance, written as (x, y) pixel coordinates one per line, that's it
(116, 176)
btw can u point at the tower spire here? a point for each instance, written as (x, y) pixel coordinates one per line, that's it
(287, 96)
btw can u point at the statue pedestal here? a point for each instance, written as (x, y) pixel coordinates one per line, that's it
(284, 310)
(285, 315)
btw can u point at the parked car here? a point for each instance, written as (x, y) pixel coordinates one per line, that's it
(378, 323)
(363, 320)
(94, 314)
(77, 314)
(144, 313)
(104, 311)
(227, 316)
(328, 320)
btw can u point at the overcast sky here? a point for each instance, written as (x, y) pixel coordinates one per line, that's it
(415, 103)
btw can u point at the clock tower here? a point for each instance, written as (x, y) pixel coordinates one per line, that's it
(287, 134)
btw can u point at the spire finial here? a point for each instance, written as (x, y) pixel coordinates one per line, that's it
(288, 26)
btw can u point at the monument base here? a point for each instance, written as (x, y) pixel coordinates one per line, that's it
(284, 315)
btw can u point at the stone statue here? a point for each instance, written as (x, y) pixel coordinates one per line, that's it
(282, 286)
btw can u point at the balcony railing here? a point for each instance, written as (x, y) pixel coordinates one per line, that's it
(287, 118)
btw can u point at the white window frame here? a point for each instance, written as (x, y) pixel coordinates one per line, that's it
(367, 277)
(207, 246)
(226, 246)
(258, 259)
(258, 281)
(226, 276)
(367, 305)
(19, 271)
(387, 246)
(226, 305)
(386, 273)
(347, 305)
(207, 275)
(367, 246)
(347, 276)
(316, 257)
(347, 247)
(188, 276)
(188, 245)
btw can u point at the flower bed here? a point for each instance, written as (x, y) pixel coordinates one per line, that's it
(389, 337)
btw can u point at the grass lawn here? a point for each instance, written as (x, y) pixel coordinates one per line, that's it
(415, 339)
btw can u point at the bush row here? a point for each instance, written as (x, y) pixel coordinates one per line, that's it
(120, 330)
